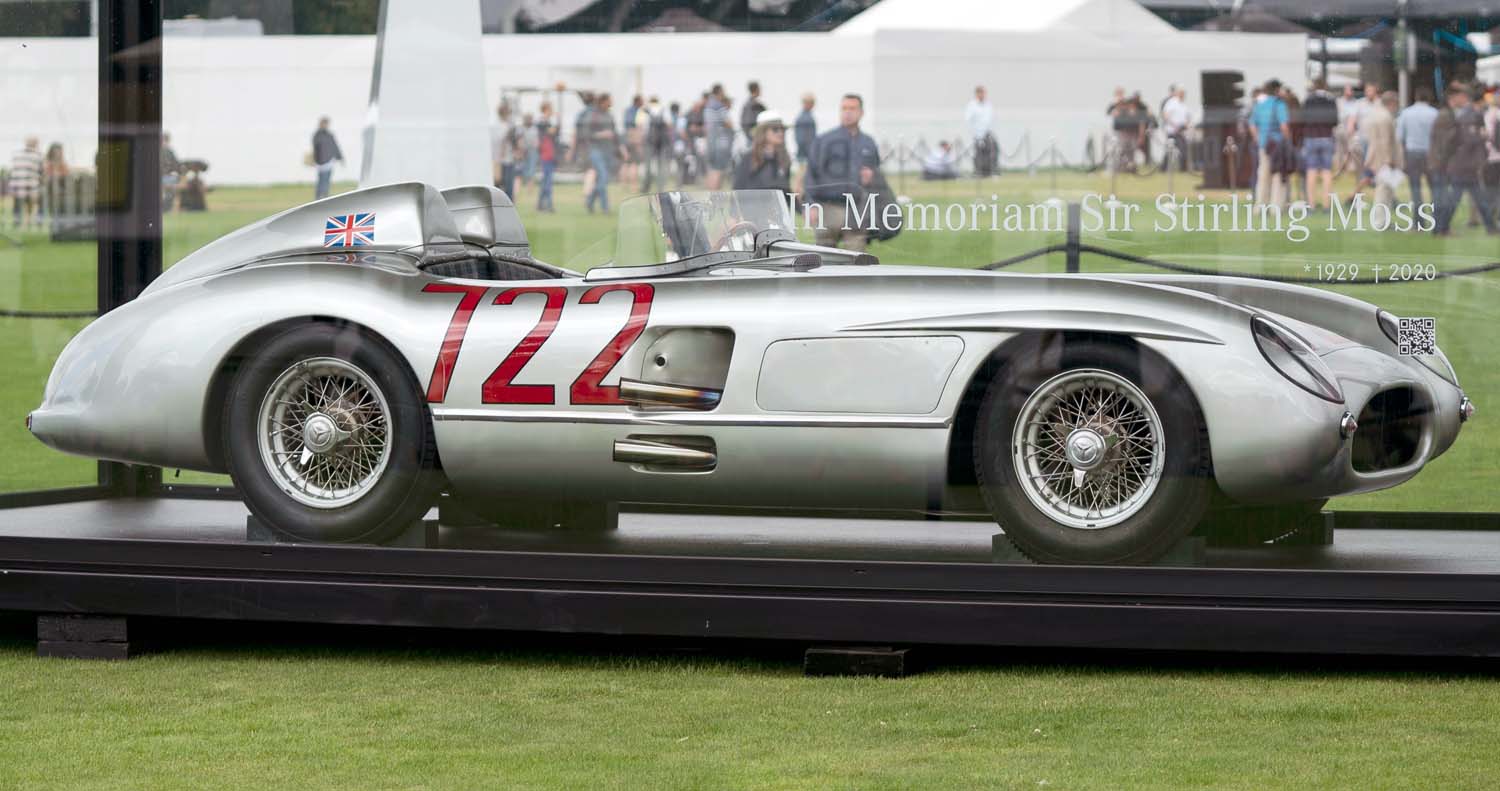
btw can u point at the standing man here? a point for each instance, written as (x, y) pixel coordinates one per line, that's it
(842, 167)
(752, 110)
(503, 150)
(1270, 128)
(659, 140)
(633, 123)
(546, 153)
(1463, 158)
(1414, 133)
(171, 174)
(325, 153)
(1175, 119)
(528, 141)
(979, 115)
(1320, 116)
(1492, 144)
(1382, 151)
(579, 153)
(694, 149)
(26, 182)
(806, 128)
(1361, 111)
(719, 135)
(604, 142)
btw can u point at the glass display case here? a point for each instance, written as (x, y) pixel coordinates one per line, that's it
(1106, 276)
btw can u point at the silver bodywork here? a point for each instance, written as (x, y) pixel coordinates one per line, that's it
(841, 385)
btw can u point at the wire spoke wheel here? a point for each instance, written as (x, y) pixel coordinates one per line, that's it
(1088, 448)
(324, 432)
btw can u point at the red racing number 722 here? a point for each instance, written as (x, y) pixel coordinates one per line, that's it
(500, 387)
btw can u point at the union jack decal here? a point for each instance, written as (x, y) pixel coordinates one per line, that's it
(350, 230)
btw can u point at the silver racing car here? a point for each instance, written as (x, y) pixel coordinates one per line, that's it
(348, 359)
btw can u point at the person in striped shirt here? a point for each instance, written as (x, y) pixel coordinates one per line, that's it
(26, 182)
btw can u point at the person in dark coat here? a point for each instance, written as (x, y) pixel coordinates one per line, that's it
(767, 166)
(842, 169)
(806, 129)
(325, 153)
(1458, 150)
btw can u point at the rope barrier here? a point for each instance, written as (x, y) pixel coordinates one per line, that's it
(1193, 270)
(48, 314)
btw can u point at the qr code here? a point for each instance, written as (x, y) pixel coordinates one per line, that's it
(1417, 335)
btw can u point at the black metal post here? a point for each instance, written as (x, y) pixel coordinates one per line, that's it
(128, 201)
(1075, 233)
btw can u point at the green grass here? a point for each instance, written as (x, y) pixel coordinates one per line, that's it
(239, 717)
(41, 275)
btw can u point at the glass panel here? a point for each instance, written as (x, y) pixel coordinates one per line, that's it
(48, 138)
(1222, 204)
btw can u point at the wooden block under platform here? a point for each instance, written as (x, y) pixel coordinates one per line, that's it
(76, 636)
(882, 661)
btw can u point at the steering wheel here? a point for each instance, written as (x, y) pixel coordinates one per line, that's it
(743, 232)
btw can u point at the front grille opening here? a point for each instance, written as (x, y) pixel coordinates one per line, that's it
(1390, 430)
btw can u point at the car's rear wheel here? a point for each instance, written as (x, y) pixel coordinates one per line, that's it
(328, 439)
(1089, 451)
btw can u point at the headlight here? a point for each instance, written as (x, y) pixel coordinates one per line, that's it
(1294, 359)
(1436, 362)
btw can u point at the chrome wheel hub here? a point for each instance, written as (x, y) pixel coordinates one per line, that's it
(320, 433)
(324, 432)
(1085, 449)
(1088, 449)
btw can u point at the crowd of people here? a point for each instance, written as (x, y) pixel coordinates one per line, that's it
(30, 169)
(651, 146)
(1132, 123)
(1444, 150)
(1453, 146)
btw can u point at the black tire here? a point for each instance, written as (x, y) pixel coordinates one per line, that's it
(1166, 516)
(406, 487)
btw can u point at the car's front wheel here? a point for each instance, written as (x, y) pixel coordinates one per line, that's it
(328, 439)
(1089, 451)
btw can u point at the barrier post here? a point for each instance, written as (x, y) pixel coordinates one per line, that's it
(1232, 149)
(901, 164)
(1171, 159)
(1052, 152)
(1074, 239)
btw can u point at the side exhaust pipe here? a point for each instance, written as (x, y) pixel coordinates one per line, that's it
(639, 393)
(656, 453)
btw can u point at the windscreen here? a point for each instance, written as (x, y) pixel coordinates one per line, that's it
(671, 226)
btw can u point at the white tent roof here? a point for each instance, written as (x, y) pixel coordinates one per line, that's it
(1111, 17)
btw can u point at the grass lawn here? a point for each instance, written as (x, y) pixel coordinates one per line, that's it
(484, 718)
(40, 275)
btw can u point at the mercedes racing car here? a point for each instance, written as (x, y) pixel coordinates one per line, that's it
(347, 360)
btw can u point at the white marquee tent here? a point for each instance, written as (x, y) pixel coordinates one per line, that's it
(1105, 17)
(1050, 67)
(248, 104)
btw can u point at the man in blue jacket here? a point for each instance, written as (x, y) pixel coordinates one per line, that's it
(840, 171)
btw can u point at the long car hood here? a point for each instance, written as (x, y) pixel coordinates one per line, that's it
(1326, 320)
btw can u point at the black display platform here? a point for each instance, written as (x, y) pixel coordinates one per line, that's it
(851, 581)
